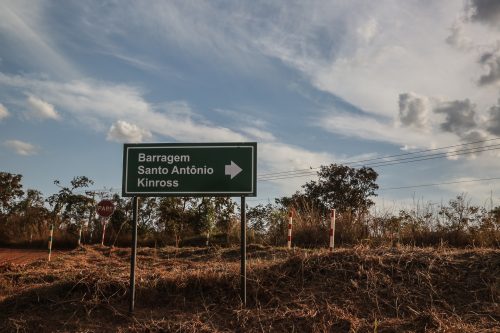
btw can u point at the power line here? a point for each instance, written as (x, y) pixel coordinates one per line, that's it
(381, 164)
(382, 161)
(381, 189)
(437, 155)
(101, 191)
(427, 150)
(381, 158)
(310, 172)
(301, 171)
(437, 184)
(411, 186)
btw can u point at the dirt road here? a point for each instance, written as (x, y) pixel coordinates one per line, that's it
(23, 256)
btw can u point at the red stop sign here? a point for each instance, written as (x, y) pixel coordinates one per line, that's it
(105, 208)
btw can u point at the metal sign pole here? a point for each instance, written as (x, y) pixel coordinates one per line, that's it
(134, 252)
(226, 169)
(243, 244)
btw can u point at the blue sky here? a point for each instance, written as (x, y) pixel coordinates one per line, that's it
(313, 82)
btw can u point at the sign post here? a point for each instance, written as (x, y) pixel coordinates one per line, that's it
(189, 169)
(103, 223)
(223, 170)
(133, 256)
(105, 209)
(243, 249)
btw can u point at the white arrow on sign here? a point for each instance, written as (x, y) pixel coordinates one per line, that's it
(232, 170)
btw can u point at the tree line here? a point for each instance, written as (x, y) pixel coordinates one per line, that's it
(26, 215)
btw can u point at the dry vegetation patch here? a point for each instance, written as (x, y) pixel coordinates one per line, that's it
(196, 290)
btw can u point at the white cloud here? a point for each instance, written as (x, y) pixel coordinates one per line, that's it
(86, 100)
(484, 167)
(279, 156)
(126, 116)
(422, 122)
(491, 61)
(121, 131)
(366, 52)
(41, 109)
(363, 51)
(480, 192)
(4, 113)
(21, 147)
(258, 134)
(458, 38)
(25, 33)
(183, 126)
(276, 157)
(368, 30)
(93, 102)
(384, 48)
(242, 116)
(414, 110)
(380, 129)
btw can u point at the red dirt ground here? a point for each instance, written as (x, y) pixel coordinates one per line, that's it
(24, 256)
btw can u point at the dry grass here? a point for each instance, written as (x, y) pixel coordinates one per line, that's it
(196, 290)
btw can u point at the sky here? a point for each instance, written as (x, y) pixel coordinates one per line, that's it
(312, 82)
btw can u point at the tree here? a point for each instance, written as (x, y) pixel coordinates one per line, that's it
(269, 222)
(206, 213)
(174, 216)
(10, 191)
(33, 214)
(460, 215)
(258, 218)
(120, 220)
(493, 222)
(495, 213)
(343, 188)
(224, 215)
(73, 206)
(301, 202)
(149, 214)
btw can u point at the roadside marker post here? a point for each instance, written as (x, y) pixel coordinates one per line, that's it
(290, 220)
(332, 229)
(189, 170)
(80, 234)
(51, 236)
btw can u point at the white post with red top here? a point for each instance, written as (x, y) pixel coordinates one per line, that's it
(289, 239)
(332, 229)
(51, 237)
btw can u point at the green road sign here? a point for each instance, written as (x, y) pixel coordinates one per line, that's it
(190, 169)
